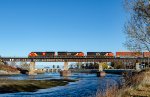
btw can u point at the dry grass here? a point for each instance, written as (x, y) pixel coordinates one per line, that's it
(138, 86)
(110, 92)
(8, 68)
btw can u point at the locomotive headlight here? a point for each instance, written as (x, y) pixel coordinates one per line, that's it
(43, 54)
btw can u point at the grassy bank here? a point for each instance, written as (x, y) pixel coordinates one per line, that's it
(137, 85)
(11, 86)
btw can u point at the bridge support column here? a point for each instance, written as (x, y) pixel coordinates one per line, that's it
(101, 73)
(32, 68)
(79, 65)
(65, 72)
(137, 67)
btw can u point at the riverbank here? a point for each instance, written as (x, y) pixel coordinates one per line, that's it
(6, 69)
(136, 85)
(12, 86)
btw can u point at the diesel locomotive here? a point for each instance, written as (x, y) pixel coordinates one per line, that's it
(41, 54)
(100, 54)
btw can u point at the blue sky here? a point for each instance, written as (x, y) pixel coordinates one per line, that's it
(61, 25)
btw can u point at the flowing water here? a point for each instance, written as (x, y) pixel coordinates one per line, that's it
(87, 85)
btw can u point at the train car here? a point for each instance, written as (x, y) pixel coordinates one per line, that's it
(77, 54)
(129, 54)
(50, 54)
(100, 54)
(71, 54)
(146, 54)
(60, 54)
(41, 54)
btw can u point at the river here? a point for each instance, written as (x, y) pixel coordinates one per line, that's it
(86, 86)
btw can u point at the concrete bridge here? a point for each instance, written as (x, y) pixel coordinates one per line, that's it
(66, 71)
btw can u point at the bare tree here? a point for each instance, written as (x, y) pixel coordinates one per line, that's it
(137, 29)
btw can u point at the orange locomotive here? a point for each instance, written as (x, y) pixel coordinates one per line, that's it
(41, 54)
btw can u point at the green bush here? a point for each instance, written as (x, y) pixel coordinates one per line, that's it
(117, 65)
(104, 65)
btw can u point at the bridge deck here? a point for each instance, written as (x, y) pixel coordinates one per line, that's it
(73, 59)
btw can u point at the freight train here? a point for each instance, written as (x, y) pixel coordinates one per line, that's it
(90, 54)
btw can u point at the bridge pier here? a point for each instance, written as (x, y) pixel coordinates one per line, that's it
(66, 71)
(137, 66)
(79, 65)
(101, 73)
(32, 68)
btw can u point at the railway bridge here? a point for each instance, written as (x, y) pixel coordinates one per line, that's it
(66, 72)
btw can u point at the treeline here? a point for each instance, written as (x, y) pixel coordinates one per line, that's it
(105, 65)
(90, 66)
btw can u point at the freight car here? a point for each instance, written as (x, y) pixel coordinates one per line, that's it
(129, 54)
(146, 54)
(41, 54)
(100, 54)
